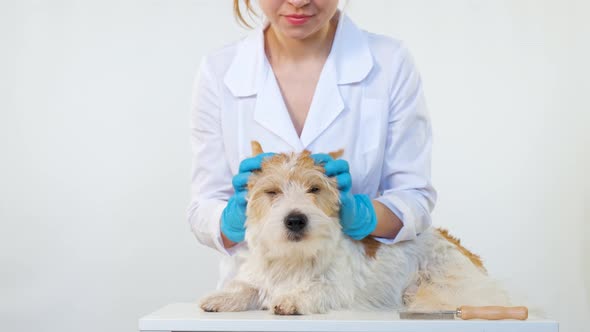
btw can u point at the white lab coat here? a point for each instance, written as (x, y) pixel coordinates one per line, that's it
(368, 101)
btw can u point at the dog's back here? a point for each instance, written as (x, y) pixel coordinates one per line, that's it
(432, 272)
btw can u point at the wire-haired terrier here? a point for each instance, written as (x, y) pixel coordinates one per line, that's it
(300, 262)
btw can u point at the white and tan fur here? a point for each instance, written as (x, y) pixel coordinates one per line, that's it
(322, 269)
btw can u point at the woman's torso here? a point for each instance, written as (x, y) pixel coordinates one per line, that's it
(349, 108)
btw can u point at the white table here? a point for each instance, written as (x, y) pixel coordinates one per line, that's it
(189, 317)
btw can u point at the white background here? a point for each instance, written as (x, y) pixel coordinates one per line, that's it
(95, 155)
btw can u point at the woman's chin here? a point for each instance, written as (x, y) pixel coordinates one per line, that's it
(296, 33)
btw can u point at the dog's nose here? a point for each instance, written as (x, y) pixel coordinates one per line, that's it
(295, 221)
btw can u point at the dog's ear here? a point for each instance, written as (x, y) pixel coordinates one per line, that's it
(336, 154)
(256, 148)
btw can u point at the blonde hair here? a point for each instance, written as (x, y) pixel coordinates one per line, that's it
(238, 13)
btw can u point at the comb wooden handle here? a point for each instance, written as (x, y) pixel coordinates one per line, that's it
(493, 312)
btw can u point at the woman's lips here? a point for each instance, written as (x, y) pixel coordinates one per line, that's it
(297, 19)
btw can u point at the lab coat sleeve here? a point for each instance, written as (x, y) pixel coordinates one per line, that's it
(210, 173)
(406, 187)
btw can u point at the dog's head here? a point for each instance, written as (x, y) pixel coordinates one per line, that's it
(292, 206)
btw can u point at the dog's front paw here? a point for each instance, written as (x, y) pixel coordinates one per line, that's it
(286, 305)
(223, 302)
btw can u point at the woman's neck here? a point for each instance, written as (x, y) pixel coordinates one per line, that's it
(283, 49)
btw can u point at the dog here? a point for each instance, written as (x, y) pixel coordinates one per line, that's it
(300, 262)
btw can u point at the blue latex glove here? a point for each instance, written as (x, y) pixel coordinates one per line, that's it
(234, 214)
(357, 215)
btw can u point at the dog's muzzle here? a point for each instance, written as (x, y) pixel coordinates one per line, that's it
(295, 223)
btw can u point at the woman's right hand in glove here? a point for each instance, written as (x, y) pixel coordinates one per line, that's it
(234, 214)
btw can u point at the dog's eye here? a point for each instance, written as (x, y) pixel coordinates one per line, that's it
(271, 192)
(314, 190)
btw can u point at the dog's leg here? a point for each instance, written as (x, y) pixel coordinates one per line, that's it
(428, 297)
(316, 299)
(458, 283)
(237, 296)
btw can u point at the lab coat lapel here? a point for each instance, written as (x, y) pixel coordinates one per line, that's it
(245, 74)
(250, 75)
(350, 61)
(326, 105)
(271, 113)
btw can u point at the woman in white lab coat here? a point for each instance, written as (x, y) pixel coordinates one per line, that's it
(309, 78)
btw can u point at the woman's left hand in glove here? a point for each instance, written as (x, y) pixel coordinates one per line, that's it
(357, 215)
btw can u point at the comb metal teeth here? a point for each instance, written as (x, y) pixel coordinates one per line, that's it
(427, 315)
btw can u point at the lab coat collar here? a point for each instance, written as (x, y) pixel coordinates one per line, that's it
(350, 53)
